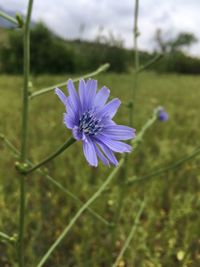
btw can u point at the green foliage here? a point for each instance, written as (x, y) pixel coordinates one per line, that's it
(168, 232)
(90, 56)
(11, 54)
(177, 62)
(169, 45)
(183, 39)
(48, 54)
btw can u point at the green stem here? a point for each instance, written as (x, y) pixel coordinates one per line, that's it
(122, 190)
(69, 193)
(78, 214)
(6, 237)
(24, 133)
(21, 222)
(26, 80)
(136, 59)
(53, 181)
(49, 89)
(172, 166)
(122, 187)
(9, 18)
(9, 144)
(130, 236)
(150, 62)
(135, 34)
(140, 135)
(58, 151)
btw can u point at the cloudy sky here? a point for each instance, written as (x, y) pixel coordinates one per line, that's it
(66, 18)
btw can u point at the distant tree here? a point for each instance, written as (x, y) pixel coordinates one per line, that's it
(161, 45)
(182, 40)
(175, 60)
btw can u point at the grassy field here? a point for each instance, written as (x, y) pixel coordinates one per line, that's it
(168, 234)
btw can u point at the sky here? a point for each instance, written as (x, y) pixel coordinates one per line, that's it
(86, 18)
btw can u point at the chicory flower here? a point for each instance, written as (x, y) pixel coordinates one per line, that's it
(90, 119)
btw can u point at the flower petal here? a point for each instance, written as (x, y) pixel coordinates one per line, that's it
(82, 94)
(109, 154)
(73, 98)
(101, 156)
(72, 112)
(114, 145)
(61, 95)
(91, 89)
(101, 97)
(76, 133)
(119, 132)
(69, 121)
(89, 152)
(110, 108)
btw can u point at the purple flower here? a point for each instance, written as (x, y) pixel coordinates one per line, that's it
(90, 119)
(162, 114)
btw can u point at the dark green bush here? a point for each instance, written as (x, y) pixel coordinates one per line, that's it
(178, 62)
(48, 53)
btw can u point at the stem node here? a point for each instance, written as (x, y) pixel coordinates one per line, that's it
(21, 167)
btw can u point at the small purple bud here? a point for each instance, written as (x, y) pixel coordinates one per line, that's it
(162, 115)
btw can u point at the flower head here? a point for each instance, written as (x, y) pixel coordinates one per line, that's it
(90, 119)
(162, 115)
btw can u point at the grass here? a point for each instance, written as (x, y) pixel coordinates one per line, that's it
(168, 233)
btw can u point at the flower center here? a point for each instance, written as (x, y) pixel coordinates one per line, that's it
(89, 124)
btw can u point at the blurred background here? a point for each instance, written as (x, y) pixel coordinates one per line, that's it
(71, 38)
(88, 33)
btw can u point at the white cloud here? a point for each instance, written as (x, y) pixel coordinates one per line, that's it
(65, 17)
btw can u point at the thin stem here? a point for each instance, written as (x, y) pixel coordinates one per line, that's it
(69, 193)
(26, 80)
(24, 133)
(50, 88)
(131, 109)
(21, 222)
(122, 190)
(136, 59)
(146, 126)
(150, 62)
(9, 144)
(135, 34)
(172, 166)
(9, 18)
(78, 214)
(131, 234)
(6, 237)
(56, 183)
(122, 187)
(58, 151)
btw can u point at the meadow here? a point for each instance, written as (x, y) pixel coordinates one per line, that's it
(168, 233)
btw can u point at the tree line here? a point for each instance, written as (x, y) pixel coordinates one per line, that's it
(51, 54)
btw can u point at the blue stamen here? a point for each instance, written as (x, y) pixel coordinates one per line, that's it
(89, 124)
